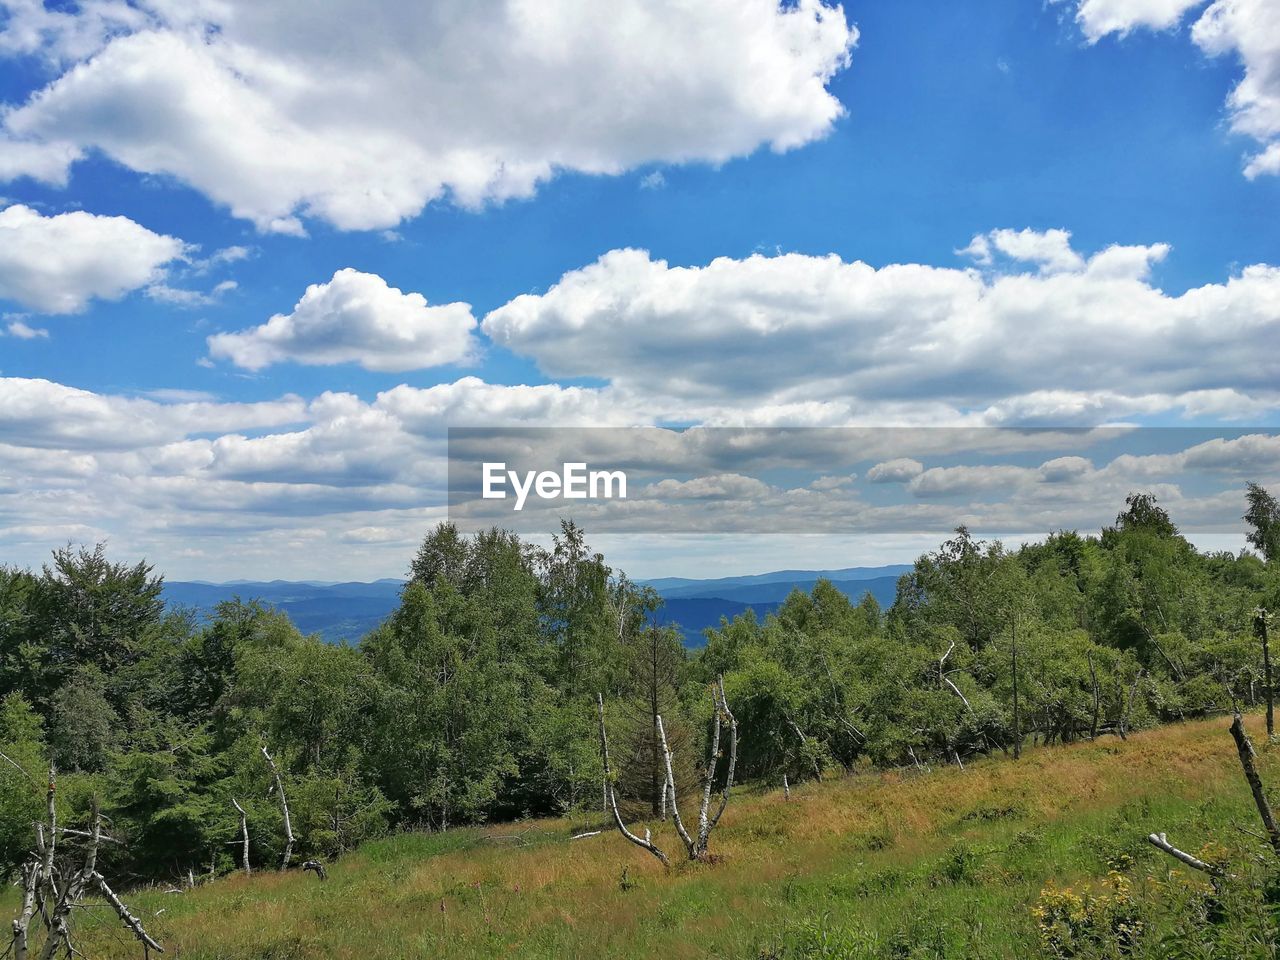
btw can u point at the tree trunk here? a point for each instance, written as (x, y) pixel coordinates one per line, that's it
(1260, 626)
(646, 843)
(1017, 715)
(1245, 748)
(284, 807)
(244, 834)
(1097, 702)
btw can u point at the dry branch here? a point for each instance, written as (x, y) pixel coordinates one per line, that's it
(129, 920)
(1159, 841)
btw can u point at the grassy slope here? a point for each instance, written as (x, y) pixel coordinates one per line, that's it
(954, 859)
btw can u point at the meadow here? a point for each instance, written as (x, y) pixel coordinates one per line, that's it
(943, 863)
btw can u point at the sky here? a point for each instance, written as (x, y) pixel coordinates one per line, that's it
(256, 258)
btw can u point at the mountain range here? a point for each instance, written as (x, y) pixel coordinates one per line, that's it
(347, 611)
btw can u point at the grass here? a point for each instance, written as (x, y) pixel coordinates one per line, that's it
(945, 864)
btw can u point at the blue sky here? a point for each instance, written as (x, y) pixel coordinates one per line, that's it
(1098, 118)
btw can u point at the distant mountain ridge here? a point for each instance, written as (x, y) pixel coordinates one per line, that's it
(346, 611)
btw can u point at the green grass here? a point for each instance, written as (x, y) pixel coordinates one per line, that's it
(945, 864)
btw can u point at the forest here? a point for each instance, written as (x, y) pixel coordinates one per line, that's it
(480, 699)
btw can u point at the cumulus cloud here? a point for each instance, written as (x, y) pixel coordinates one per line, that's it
(355, 318)
(57, 264)
(898, 470)
(363, 116)
(1248, 30)
(1098, 18)
(1088, 341)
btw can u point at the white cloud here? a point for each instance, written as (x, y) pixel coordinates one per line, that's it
(1051, 250)
(363, 115)
(1098, 18)
(1078, 340)
(356, 318)
(1251, 30)
(898, 470)
(44, 414)
(16, 328)
(57, 264)
(1246, 29)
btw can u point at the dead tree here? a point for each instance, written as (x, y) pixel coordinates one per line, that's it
(1245, 748)
(278, 787)
(645, 843)
(1122, 727)
(697, 846)
(51, 892)
(244, 836)
(1097, 699)
(1017, 713)
(1260, 618)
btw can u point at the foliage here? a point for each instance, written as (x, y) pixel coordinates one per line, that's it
(474, 702)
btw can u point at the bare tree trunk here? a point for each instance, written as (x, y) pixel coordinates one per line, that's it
(1245, 748)
(1017, 715)
(284, 807)
(705, 826)
(671, 790)
(244, 833)
(1123, 727)
(1097, 702)
(646, 843)
(59, 934)
(665, 781)
(22, 925)
(1260, 626)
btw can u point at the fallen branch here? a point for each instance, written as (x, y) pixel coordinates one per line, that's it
(129, 920)
(1159, 841)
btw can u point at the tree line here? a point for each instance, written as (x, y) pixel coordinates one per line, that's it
(479, 698)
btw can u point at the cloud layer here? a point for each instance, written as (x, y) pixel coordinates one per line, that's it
(1033, 331)
(1044, 334)
(363, 116)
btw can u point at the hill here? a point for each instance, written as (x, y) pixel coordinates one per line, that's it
(898, 864)
(347, 611)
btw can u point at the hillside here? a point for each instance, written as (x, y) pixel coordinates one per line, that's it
(899, 864)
